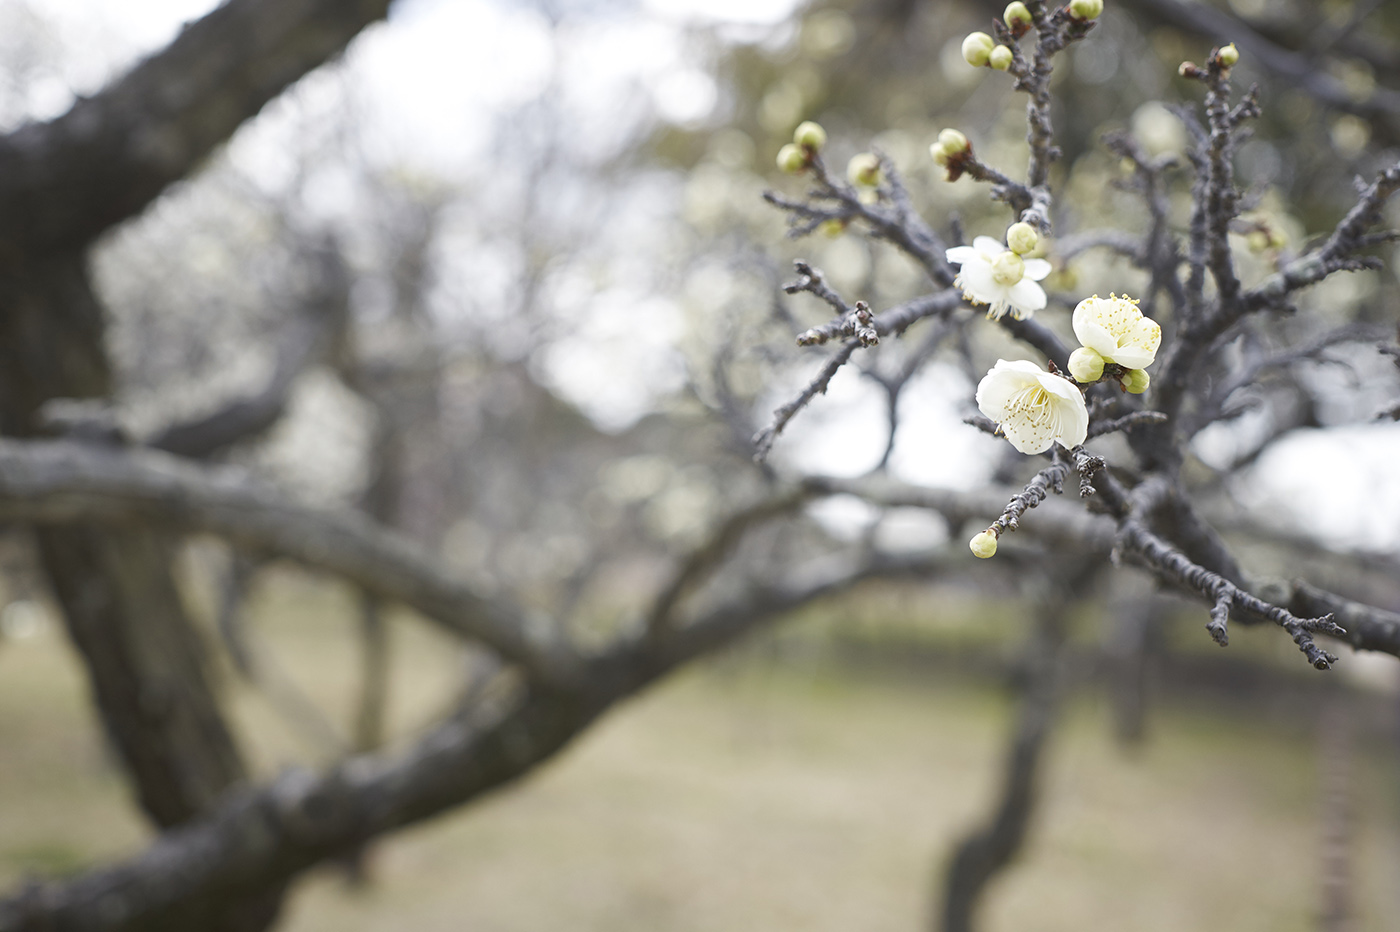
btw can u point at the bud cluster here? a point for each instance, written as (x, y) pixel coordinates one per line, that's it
(807, 140)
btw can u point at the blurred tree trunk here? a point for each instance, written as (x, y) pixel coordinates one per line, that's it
(988, 849)
(121, 606)
(63, 184)
(146, 662)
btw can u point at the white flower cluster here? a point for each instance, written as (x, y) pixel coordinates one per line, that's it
(1035, 409)
(1112, 330)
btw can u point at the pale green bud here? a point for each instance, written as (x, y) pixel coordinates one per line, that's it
(864, 169)
(1000, 58)
(1085, 9)
(1085, 365)
(809, 135)
(939, 153)
(976, 49)
(1229, 55)
(792, 159)
(952, 141)
(984, 545)
(832, 228)
(1016, 15)
(1008, 268)
(1136, 381)
(1021, 238)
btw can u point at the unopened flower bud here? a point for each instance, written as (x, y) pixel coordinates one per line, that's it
(1085, 365)
(832, 228)
(809, 135)
(952, 141)
(984, 545)
(1085, 9)
(864, 169)
(1008, 268)
(792, 159)
(1228, 55)
(1136, 381)
(1000, 58)
(976, 49)
(1258, 240)
(1021, 238)
(1016, 16)
(1188, 69)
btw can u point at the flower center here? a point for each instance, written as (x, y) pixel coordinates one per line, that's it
(1008, 268)
(1032, 405)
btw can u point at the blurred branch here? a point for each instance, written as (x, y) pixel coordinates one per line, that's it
(893, 219)
(64, 182)
(1195, 340)
(315, 329)
(1381, 106)
(1335, 254)
(261, 838)
(988, 849)
(60, 482)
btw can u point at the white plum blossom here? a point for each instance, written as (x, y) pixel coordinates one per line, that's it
(1033, 408)
(1114, 328)
(993, 275)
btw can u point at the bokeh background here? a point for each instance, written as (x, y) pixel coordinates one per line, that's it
(508, 269)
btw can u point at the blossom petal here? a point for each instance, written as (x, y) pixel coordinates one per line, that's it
(1133, 357)
(1027, 296)
(1027, 437)
(1036, 269)
(1095, 336)
(1072, 414)
(989, 247)
(1138, 347)
(960, 255)
(1059, 387)
(1033, 408)
(978, 281)
(1001, 383)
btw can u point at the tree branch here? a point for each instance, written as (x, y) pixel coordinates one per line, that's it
(62, 482)
(264, 837)
(64, 182)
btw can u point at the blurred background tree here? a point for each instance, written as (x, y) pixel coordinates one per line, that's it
(503, 374)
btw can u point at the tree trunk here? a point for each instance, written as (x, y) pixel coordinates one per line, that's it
(146, 662)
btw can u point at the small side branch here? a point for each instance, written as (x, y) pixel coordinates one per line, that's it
(1138, 541)
(1335, 254)
(1126, 422)
(763, 440)
(891, 218)
(811, 281)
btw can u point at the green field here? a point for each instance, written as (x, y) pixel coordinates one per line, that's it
(753, 795)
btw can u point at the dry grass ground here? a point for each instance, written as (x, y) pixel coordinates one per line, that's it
(744, 796)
